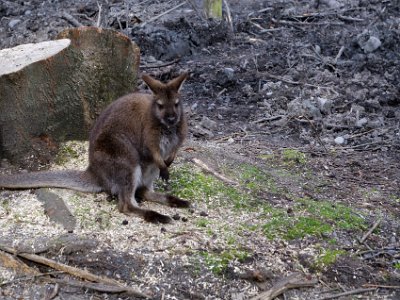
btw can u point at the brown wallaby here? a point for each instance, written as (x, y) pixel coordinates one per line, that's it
(134, 140)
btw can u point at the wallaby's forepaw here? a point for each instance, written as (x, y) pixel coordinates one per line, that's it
(155, 217)
(177, 202)
(164, 174)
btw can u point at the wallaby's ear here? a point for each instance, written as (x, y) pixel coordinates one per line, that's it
(154, 85)
(176, 83)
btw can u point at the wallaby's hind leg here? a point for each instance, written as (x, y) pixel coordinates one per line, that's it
(127, 206)
(145, 194)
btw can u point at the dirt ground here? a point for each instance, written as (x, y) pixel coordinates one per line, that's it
(298, 102)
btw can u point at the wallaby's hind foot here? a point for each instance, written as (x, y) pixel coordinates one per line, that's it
(155, 217)
(148, 215)
(143, 193)
(177, 202)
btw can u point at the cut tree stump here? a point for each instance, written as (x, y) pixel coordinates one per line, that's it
(53, 91)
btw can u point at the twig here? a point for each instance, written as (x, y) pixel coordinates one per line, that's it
(160, 65)
(307, 23)
(368, 285)
(273, 118)
(11, 262)
(193, 5)
(162, 14)
(127, 16)
(295, 280)
(376, 224)
(89, 285)
(73, 271)
(71, 19)
(339, 54)
(228, 15)
(350, 19)
(98, 15)
(206, 168)
(292, 82)
(353, 292)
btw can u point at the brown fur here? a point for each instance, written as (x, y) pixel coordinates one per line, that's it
(134, 139)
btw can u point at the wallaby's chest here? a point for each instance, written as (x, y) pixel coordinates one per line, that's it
(168, 144)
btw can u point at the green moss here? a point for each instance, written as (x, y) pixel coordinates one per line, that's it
(189, 183)
(219, 262)
(327, 257)
(5, 204)
(293, 157)
(397, 266)
(310, 218)
(254, 178)
(342, 216)
(202, 222)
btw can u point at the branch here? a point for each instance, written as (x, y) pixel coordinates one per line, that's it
(353, 292)
(162, 14)
(71, 19)
(207, 169)
(295, 280)
(376, 224)
(74, 271)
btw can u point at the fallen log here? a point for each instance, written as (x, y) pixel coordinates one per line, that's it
(53, 91)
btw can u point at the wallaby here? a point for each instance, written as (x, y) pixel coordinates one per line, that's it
(134, 140)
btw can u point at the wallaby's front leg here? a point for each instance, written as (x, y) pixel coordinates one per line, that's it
(170, 159)
(164, 173)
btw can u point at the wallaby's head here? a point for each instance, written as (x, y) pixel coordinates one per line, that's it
(166, 107)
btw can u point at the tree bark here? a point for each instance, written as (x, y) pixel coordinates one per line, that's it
(53, 91)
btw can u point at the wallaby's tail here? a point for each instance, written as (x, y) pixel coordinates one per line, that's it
(69, 179)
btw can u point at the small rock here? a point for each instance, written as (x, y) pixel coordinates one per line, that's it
(125, 222)
(299, 107)
(372, 44)
(247, 90)
(368, 43)
(199, 131)
(176, 217)
(203, 214)
(325, 105)
(151, 59)
(362, 122)
(378, 122)
(184, 219)
(163, 229)
(358, 109)
(230, 73)
(372, 105)
(230, 141)
(339, 140)
(28, 12)
(13, 23)
(208, 123)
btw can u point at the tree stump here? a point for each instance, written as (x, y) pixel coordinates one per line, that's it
(53, 91)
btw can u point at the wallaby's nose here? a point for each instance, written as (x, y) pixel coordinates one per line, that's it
(171, 119)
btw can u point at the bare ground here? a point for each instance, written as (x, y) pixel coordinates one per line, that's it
(299, 105)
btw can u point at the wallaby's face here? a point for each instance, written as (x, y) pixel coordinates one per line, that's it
(167, 107)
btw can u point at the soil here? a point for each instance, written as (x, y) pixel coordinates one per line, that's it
(317, 77)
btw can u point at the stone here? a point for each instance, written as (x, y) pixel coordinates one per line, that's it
(13, 23)
(208, 123)
(325, 105)
(367, 42)
(339, 140)
(361, 122)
